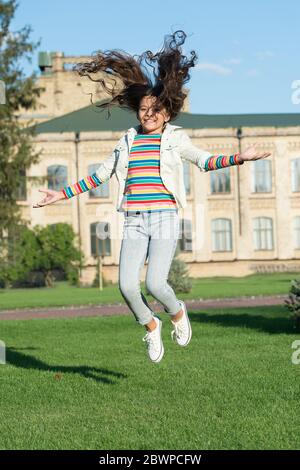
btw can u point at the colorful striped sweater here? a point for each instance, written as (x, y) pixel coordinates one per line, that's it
(144, 188)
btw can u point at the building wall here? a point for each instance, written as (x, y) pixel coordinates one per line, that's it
(281, 204)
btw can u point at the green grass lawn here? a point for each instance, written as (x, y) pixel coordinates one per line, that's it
(214, 287)
(233, 387)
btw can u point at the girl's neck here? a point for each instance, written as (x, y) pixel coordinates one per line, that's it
(150, 133)
(157, 132)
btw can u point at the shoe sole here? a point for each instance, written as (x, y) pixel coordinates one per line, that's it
(190, 328)
(162, 346)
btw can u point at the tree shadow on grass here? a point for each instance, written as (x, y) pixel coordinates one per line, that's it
(25, 361)
(262, 323)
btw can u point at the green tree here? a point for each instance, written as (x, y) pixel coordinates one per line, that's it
(58, 251)
(21, 93)
(21, 257)
(35, 254)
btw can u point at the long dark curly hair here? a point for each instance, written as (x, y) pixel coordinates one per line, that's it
(127, 79)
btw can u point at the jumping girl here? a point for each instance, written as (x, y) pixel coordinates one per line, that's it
(147, 162)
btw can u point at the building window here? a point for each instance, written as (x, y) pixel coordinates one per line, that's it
(57, 177)
(263, 233)
(261, 176)
(297, 232)
(100, 239)
(185, 235)
(103, 189)
(220, 181)
(221, 235)
(296, 175)
(186, 177)
(21, 192)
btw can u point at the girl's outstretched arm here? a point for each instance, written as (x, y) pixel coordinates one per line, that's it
(103, 173)
(85, 184)
(214, 162)
(50, 197)
(220, 161)
(207, 162)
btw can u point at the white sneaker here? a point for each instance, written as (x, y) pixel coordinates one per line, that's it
(154, 342)
(182, 332)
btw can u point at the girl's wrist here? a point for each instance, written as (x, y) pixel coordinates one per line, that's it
(240, 159)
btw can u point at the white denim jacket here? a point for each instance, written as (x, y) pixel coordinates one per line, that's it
(175, 146)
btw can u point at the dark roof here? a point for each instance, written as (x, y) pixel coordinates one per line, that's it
(198, 121)
(91, 119)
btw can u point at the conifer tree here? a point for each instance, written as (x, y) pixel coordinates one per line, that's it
(16, 146)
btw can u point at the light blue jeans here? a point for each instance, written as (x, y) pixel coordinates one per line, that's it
(151, 235)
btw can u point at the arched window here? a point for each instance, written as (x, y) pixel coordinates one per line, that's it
(221, 234)
(295, 169)
(220, 180)
(263, 233)
(57, 177)
(261, 176)
(185, 235)
(100, 238)
(296, 232)
(103, 189)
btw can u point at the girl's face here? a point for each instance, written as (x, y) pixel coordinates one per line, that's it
(152, 119)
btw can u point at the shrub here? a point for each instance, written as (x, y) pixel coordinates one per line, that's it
(293, 304)
(36, 257)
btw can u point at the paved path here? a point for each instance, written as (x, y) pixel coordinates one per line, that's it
(122, 309)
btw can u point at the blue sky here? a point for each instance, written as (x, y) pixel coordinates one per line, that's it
(248, 52)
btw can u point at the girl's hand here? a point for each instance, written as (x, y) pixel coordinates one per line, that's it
(51, 197)
(252, 154)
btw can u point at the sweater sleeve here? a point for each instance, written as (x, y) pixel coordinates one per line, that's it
(105, 171)
(85, 184)
(221, 161)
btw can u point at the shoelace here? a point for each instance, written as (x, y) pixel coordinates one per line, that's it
(179, 329)
(148, 338)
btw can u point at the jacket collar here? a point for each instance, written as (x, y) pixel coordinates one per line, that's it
(168, 129)
(130, 134)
